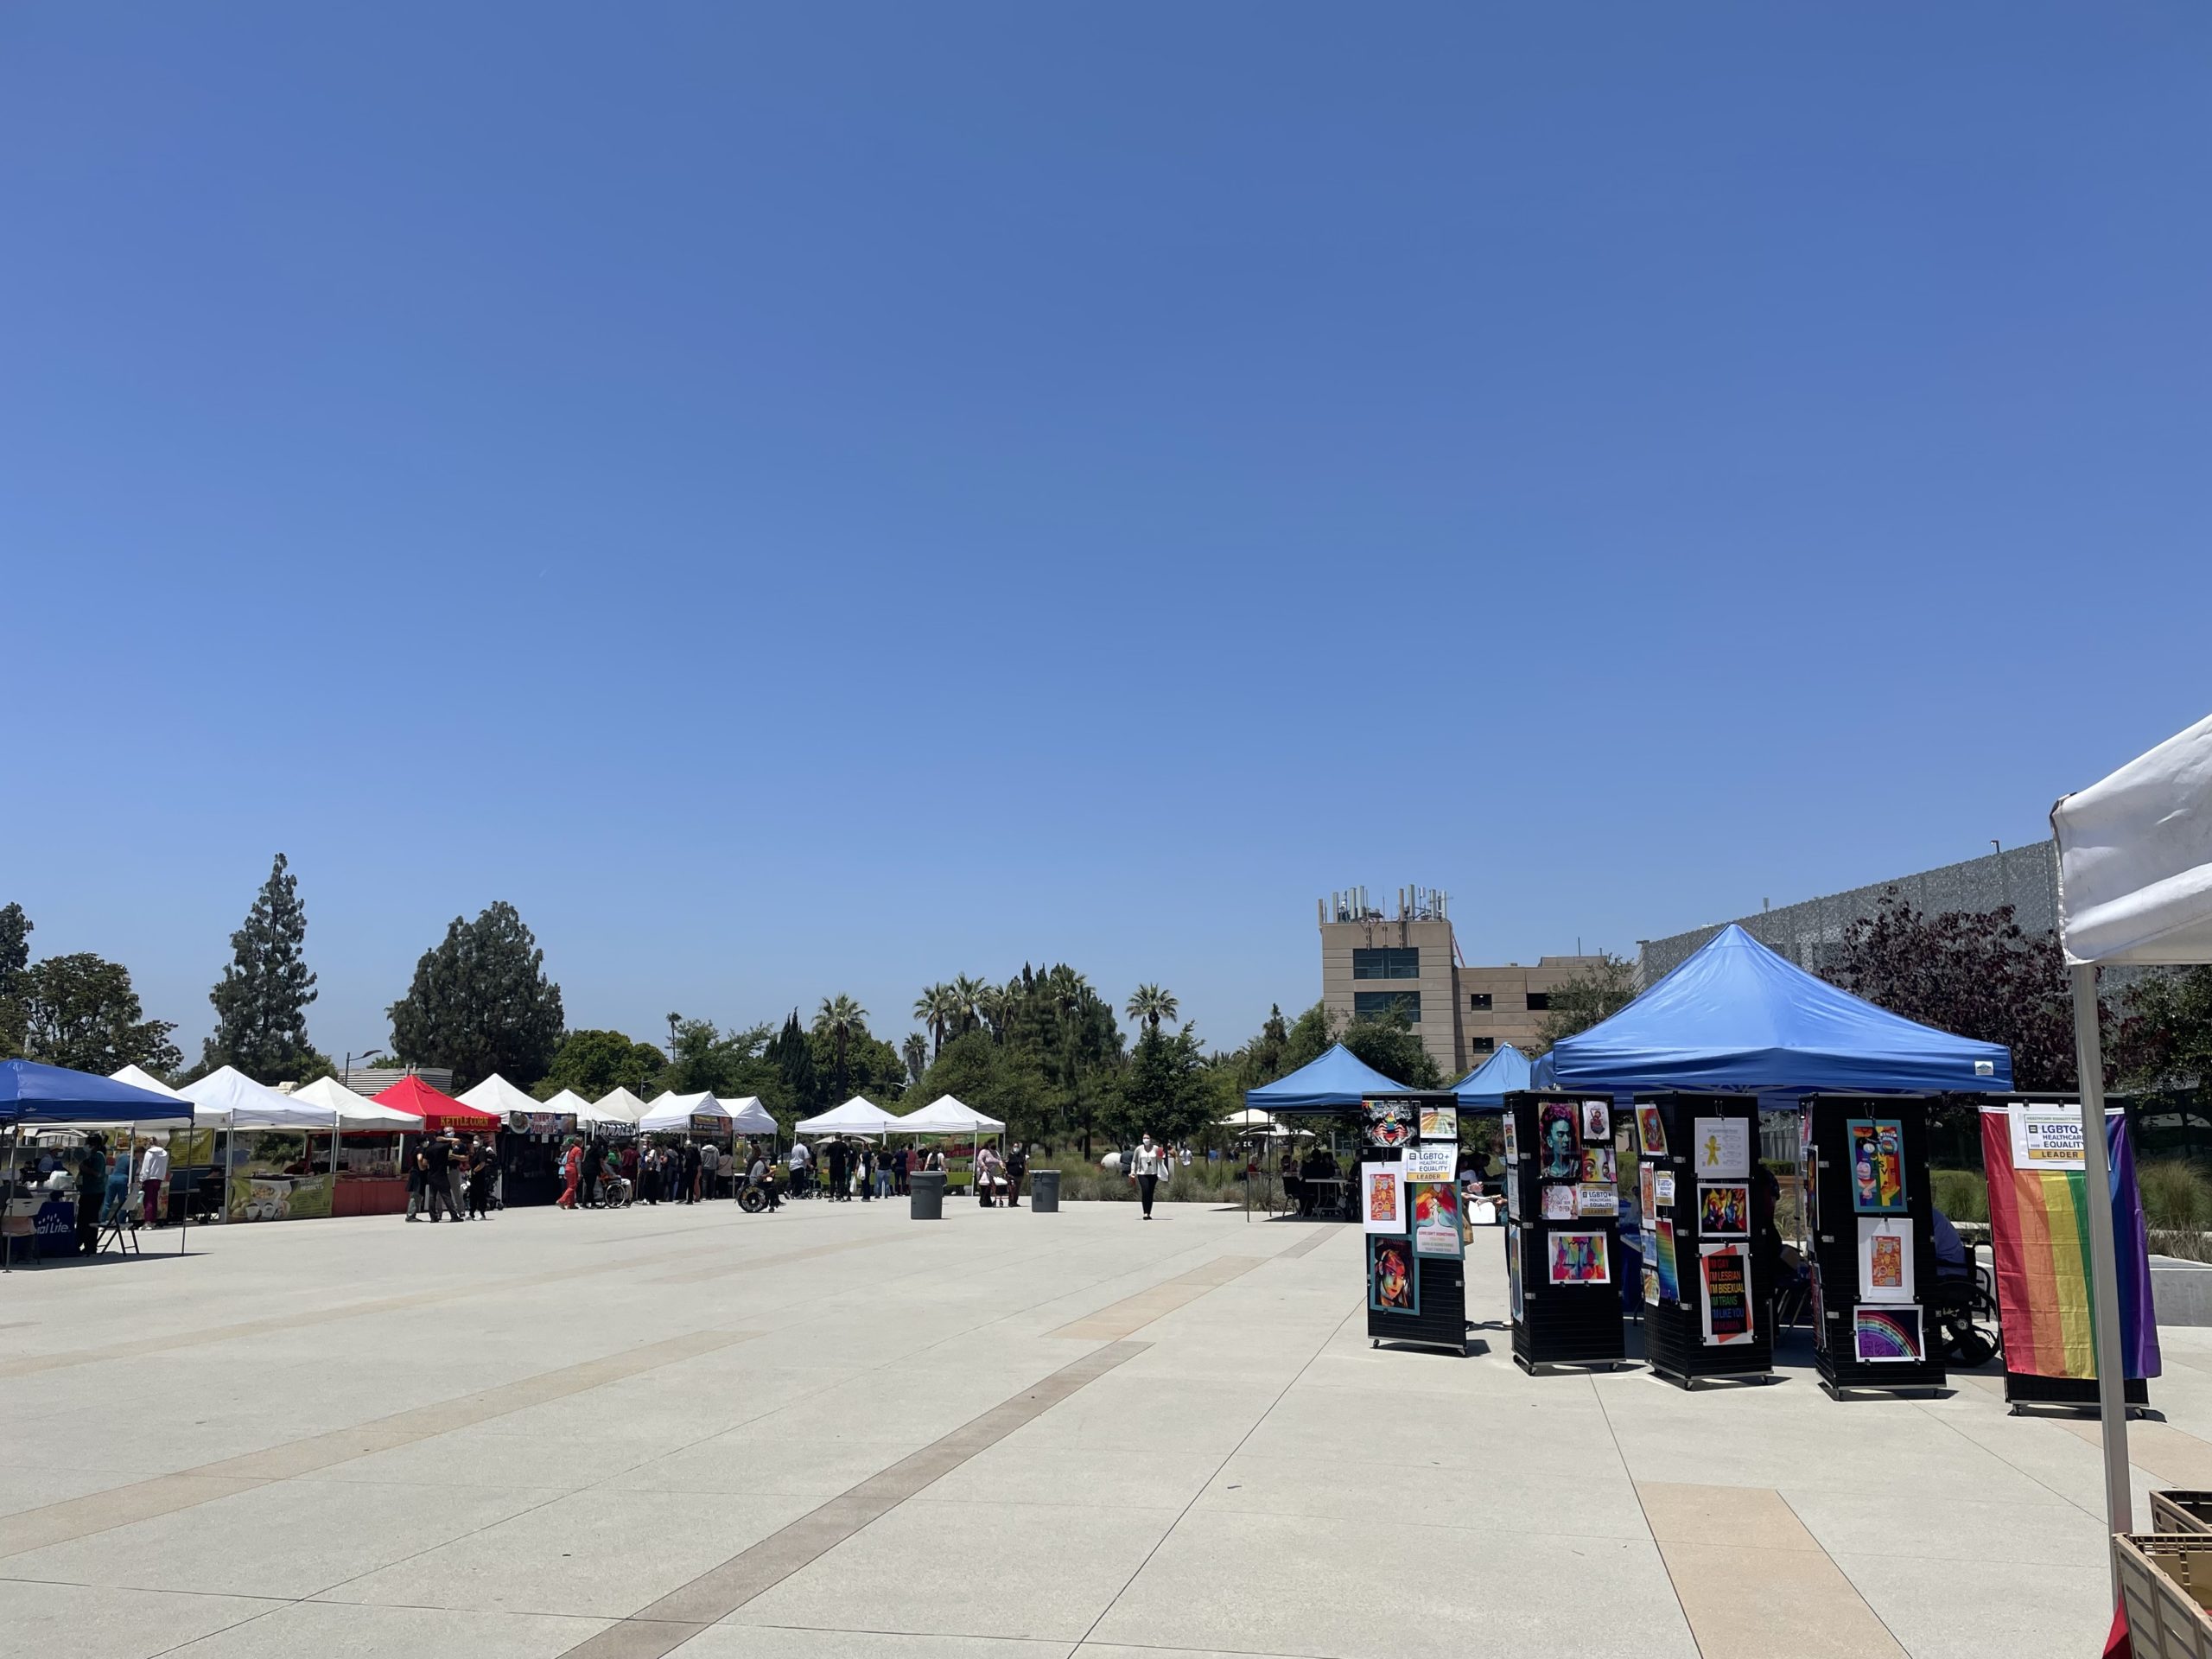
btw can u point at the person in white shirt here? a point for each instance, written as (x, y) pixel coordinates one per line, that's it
(1147, 1167)
(153, 1171)
(800, 1158)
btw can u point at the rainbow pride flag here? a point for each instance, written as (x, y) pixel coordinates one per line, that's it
(2039, 1234)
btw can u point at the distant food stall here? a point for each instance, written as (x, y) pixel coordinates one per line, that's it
(372, 1143)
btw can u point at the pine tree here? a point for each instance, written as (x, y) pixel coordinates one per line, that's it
(261, 1002)
(15, 980)
(481, 1002)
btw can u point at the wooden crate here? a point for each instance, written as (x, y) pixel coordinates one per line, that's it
(2180, 1511)
(2165, 1579)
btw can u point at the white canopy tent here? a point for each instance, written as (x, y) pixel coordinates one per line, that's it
(858, 1116)
(672, 1113)
(618, 1106)
(749, 1117)
(2134, 886)
(1253, 1122)
(137, 1079)
(945, 1115)
(227, 1098)
(569, 1102)
(496, 1094)
(353, 1112)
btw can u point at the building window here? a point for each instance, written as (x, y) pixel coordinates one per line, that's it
(1381, 1005)
(1478, 1001)
(1539, 1001)
(1482, 1045)
(1386, 961)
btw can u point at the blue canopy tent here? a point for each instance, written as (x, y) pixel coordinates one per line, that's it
(1736, 1017)
(1484, 1089)
(1336, 1082)
(31, 1094)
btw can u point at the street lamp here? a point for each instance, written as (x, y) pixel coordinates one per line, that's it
(345, 1075)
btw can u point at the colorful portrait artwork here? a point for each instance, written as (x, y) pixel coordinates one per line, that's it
(1440, 1123)
(1389, 1123)
(1886, 1335)
(1390, 1284)
(1886, 1259)
(1513, 1272)
(1652, 1131)
(1382, 1198)
(1724, 1209)
(1662, 1250)
(1648, 1188)
(1512, 1140)
(1650, 1285)
(1876, 1146)
(1596, 1121)
(1726, 1269)
(1558, 1144)
(1579, 1258)
(1559, 1202)
(1599, 1166)
(1435, 1207)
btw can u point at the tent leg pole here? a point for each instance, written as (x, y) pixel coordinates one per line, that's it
(2104, 1257)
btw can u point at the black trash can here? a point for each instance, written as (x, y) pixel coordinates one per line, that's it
(1045, 1192)
(926, 1195)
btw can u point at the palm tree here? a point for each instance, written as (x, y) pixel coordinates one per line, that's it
(1150, 1004)
(932, 1008)
(916, 1050)
(996, 1006)
(838, 1017)
(968, 998)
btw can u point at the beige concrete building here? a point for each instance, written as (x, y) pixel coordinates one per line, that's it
(1409, 960)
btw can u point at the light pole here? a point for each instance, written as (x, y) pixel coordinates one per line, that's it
(345, 1074)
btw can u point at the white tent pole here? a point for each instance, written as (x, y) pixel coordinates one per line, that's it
(2104, 1257)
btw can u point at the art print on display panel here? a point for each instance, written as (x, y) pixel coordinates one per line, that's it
(1648, 1188)
(1382, 1198)
(1558, 1202)
(1559, 1148)
(1440, 1123)
(1725, 1270)
(1599, 1166)
(1435, 1207)
(1663, 1245)
(1652, 1131)
(1875, 1149)
(1391, 1285)
(1512, 1140)
(1885, 1272)
(1431, 1160)
(1597, 1121)
(1598, 1200)
(1662, 1185)
(1720, 1148)
(1513, 1271)
(1389, 1123)
(1512, 1199)
(1724, 1209)
(1887, 1335)
(1578, 1258)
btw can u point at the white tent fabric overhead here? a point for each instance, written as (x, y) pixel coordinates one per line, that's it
(2135, 858)
(945, 1115)
(672, 1113)
(618, 1106)
(749, 1117)
(228, 1097)
(858, 1116)
(351, 1111)
(570, 1102)
(141, 1079)
(496, 1094)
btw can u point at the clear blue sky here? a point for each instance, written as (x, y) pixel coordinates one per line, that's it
(818, 498)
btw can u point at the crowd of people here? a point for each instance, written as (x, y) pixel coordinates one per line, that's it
(448, 1179)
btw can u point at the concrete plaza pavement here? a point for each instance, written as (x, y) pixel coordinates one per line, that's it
(834, 1431)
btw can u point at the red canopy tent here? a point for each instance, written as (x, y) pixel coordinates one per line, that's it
(437, 1111)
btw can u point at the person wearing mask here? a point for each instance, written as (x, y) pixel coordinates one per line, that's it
(987, 1177)
(457, 1175)
(1017, 1166)
(902, 1163)
(836, 1162)
(687, 1173)
(710, 1167)
(152, 1175)
(595, 1164)
(572, 1174)
(481, 1167)
(92, 1188)
(1147, 1167)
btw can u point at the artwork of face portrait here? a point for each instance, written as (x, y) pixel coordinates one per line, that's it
(1562, 1151)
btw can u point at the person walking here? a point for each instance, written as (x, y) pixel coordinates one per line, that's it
(416, 1202)
(988, 1178)
(1017, 1166)
(710, 1168)
(594, 1161)
(92, 1187)
(836, 1162)
(153, 1173)
(629, 1161)
(687, 1179)
(456, 1176)
(1146, 1168)
(885, 1181)
(481, 1164)
(902, 1162)
(572, 1174)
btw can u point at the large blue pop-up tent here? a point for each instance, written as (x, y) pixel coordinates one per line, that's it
(1736, 1016)
(1336, 1082)
(31, 1093)
(1484, 1089)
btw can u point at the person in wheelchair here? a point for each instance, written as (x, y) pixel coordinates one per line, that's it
(1957, 1304)
(761, 1186)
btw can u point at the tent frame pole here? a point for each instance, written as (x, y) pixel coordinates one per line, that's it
(2104, 1259)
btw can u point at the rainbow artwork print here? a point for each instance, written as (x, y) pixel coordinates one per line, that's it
(1880, 1334)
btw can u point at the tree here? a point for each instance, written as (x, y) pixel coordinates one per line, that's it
(1000, 1081)
(916, 1053)
(261, 1002)
(1388, 1043)
(596, 1063)
(1166, 1091)
(837, 1019)
(82, 1012)
(729, 1066)
(14, 980)
(1593, 994)
(2164, 1043)
(933, 1007)
(1971, 973)
(967, 1002)
(1150, 1004)
(481, 1003)
(793, 1058)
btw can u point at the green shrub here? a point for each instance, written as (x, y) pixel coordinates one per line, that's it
(1961, 1194)
(2175, 1196)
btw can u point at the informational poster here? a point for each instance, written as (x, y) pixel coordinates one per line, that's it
(1512, 1200)
(1513, 1272)
(1435, 1207)
(1388, 1123)
(1884, 1335)
(1724, 1209)
(1662, 1185)
(1599, 1201)
(708, 1125)
(1512, 1140)
(1599, 1166)
(1558, 1143)
(1720, 1148)
(1662, 1252)
(1559, 1202)
(1391, 1285)
(1382, 1198)
(1440, 1123)
(1726, 1269)
(1597, 1121)
(1651, 1132)
(1431, 1160)
(1580, 1258)
(1876, 1148)
(2046, 1137)
(1886, 1259)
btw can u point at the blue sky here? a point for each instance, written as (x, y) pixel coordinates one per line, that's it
(826, 498)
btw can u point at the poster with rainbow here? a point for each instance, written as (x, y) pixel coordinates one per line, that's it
(2038, 1223)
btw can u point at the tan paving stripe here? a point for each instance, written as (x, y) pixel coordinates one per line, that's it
(702, 1275)
(2174, 1455)
(683, 1613)
(143, 1500)
(1320, 1235)
(1753, 1582)
(1132, 1313)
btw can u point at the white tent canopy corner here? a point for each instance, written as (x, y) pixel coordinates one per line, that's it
(353, 1111)
(672, 1113)
(569, 1104)
(227, 1098)
(618, 1106)
(945, 1115)
(2135, 887)
(858, 1116)
(496, 1094)
(749, 1117)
